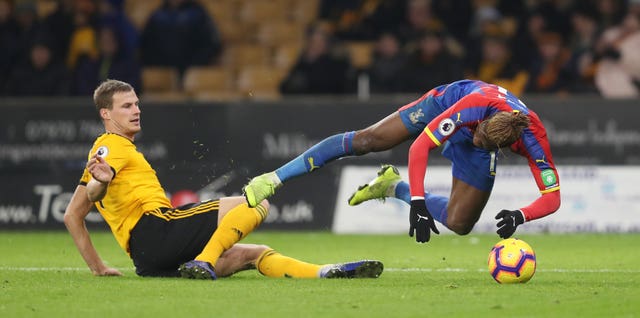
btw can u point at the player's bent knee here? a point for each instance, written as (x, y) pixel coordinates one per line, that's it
(460, 228)
(248, 253)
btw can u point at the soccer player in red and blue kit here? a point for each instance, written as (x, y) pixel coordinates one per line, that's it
(472, 120)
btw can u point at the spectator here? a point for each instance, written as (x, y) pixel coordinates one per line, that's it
(618, 72)
(388, 60)
(385, 17)
(180, 34)
(486, 20)
(419, 18)
(83, 39)
(319, 69)
(345, 17)
(551, 72)
(112, 62)
(112, 16)
(28, 30)
(60, 26)
(41, 76)
(361, 20)
(611, 12)
(582, 43)
(456, 16)
(496, 65)
(8, 41)
(430, 65)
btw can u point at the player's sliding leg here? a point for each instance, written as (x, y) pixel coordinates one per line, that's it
(274, 264)
(383, 135)
(329, 149)
(358, 269)
(234, 225)
(388, 184)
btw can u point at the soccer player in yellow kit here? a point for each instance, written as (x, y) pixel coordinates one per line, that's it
(198, 240)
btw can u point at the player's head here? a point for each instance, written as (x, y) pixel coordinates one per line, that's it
(118, 106)
(500, 130)
(103, 95)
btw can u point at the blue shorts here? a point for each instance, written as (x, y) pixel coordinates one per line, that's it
(471, 164)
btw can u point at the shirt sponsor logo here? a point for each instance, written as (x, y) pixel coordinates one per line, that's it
(548, 177)
(446, 127)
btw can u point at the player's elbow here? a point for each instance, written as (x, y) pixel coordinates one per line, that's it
(555, 201)
(70, 219)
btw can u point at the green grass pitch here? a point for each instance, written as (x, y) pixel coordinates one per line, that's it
(580, 275)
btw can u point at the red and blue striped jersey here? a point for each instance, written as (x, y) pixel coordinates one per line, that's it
(456, 110)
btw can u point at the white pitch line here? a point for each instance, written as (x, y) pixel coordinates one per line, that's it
(446, 269)
(549, 270)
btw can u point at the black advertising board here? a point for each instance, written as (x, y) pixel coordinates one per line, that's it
(202, 151)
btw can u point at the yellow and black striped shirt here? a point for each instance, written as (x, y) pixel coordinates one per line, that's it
(134, 190)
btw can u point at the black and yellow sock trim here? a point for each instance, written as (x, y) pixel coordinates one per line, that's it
(267, 252)
(262, 212)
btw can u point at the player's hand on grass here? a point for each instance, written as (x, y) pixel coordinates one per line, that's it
(421, 222)
(100, 169)
(509, 221)
(107, 271)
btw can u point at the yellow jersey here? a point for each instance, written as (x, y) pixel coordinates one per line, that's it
(134, 189)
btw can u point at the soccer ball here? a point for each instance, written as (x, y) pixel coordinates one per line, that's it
(512, 261)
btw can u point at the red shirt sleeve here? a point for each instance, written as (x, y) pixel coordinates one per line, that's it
(543, 206)
(418, 157)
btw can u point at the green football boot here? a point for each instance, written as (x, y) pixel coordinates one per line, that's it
(260, 188)
(377, 189)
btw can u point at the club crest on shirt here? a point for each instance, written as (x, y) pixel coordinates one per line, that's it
(102, 152)
(446, 127)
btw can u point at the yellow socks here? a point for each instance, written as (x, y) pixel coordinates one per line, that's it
(233, 227)
(274, 264)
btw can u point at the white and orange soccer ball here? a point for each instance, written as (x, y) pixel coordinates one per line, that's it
(512, 261)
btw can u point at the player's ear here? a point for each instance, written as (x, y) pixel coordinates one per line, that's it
(105, 113)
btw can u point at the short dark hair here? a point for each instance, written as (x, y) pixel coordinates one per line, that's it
(103, 95)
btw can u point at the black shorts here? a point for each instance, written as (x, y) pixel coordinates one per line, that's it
(164, 239)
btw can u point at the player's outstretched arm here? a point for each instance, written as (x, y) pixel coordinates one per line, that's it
(420, 220)
(74, 216)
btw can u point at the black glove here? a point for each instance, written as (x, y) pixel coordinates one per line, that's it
(421, 221)
(509, 223)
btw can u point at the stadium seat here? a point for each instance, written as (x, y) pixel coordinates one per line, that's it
(360, 54)
(221, 9)
(256, 12)
(156, 79)
(232, 32)
(199, 79)
(259, 82)
(304, 12)
(273, 33)
(242, 55)
(286, 55)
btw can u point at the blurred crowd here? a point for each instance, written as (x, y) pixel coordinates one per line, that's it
(237, 48)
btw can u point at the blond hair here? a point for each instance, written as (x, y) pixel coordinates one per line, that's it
(103, 95)
(504, 128)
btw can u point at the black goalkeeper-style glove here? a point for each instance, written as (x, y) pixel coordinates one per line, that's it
(509, 221)
(421, 221)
